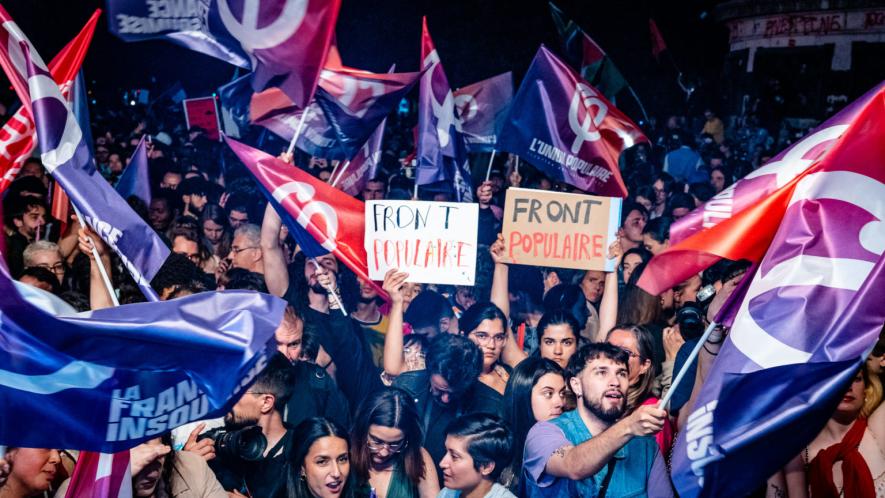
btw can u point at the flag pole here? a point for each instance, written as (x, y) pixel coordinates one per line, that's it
(517, 165)
(332, 294)
(101, 269)
(298, 130)
(489, 170)
(336, 179)
(688, 364)
(641, 107)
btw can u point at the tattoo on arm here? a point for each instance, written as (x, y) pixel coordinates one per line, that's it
(560, 452)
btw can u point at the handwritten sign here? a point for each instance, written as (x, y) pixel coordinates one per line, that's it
(435, 242)
(543, 228)
(203, 112)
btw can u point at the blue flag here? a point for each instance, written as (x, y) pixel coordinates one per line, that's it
(109, 379)
(235, 97)
(135, 180)
(67, 158)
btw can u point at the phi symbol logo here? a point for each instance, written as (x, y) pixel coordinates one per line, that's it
(307, 208)
(813, 269)
(270, 34)
(467, 106)
(585, 129)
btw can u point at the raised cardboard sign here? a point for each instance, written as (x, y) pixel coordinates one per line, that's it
(543, 228)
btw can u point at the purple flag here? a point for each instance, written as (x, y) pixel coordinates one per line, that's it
(67, 158)
(810, 315)
(348, 107)
(285, 42)
(442, 155)
(566, 128)
(135, 180)
(482, 108)
(364, 166)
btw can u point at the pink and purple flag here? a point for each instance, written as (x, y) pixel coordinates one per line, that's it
(811, 313)
(284, 42)
(567, 129)
(18, 136)
(481, 109)
(67, 157)
(441, 151)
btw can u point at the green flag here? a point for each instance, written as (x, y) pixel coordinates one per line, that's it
(587, 57)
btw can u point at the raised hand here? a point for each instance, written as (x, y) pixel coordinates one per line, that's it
(204, 447)
(393, 284)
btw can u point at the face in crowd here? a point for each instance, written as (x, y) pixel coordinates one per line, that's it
(326, 467)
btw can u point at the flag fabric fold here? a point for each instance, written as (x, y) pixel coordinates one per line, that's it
(348, 107)
(566, 128)
(658, 46)
(364, 166)
(481, 109)
(321, 218)
(810, 315)
(18, 137)
(110, 379)
(284, 42)
(66, 156)
(101, 475)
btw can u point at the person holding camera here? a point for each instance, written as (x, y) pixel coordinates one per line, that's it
(251, 454)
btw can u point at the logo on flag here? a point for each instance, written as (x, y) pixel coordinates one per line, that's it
(284, 42)
(804, 328)
(565, 127)
(180, 364)
(481, 109)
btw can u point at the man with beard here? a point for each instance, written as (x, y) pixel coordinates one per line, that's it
(592, 451)
(371, 320)
(263, 404)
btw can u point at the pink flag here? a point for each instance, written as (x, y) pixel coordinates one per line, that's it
(101, 475)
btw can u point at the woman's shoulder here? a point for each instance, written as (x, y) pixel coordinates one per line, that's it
(499, 491)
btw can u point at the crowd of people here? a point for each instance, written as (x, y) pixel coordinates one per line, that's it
(535, 382)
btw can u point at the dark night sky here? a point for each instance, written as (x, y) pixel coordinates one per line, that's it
(476, 39)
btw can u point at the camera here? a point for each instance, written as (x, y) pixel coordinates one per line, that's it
(245, 444)
(690, 318)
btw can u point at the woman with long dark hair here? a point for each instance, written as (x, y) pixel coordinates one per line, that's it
(215, 230)
(386, 451)
(536, 392)
(485, 325)
(320, 463)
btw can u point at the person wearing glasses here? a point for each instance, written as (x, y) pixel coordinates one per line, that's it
(45, 254)
(386, 452)
(484, 324)
(245, 250)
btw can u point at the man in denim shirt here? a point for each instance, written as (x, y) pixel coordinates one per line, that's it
(594, 450)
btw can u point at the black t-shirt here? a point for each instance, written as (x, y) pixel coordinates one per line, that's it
(267, 477)
(315, 394)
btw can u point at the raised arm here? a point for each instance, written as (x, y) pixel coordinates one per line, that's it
(393, 361)
(608, 307)
(588, 458)
(276, 273)
(500, 296)
(98, 292)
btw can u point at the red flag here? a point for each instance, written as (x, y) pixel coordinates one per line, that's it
(657, 41)
(17, 137)
(101, 475)
(748, 234)
(335, 220)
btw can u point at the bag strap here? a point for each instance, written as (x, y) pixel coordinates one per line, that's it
(608, 477)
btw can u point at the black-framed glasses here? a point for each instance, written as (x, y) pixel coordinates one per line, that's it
(377, 445)
(630, 353)
(56, 268)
